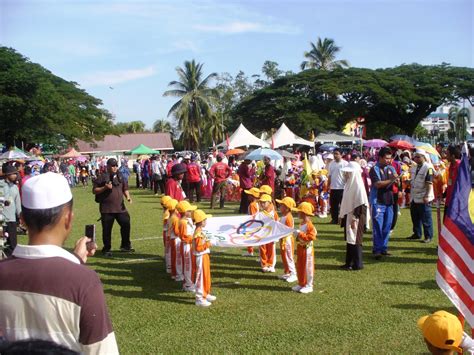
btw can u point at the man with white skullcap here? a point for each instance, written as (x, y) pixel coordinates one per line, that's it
(46, 292)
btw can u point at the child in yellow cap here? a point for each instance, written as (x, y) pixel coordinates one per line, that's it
(287, 244)
(174, 241)
(166, 244)
(254, 195)
(201, 250)
(305, 236)
(185, 233)
(443, 334)
(267, 251)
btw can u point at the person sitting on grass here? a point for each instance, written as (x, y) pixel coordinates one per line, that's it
(287, 243)
(267, 251)
(305, 236)
(201, 252)
(186, 232)
(443, 334)
(253, 196)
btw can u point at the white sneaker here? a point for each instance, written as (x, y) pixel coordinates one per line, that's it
(203, 303)
(292, 278)
(284, 276)
(265, 269)
(306, 289)
(296, 288)
(271, 269)
(323, 215)
(179, 279)
(399, 213)
(211, 298)
(247, 254)
(189, 289)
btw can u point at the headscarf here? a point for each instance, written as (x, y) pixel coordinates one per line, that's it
(354, 190)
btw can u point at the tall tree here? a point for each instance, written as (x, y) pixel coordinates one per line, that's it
(162, 125)
(323, 56)
(195, 104)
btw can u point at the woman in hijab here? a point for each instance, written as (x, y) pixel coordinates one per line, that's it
(353, 215)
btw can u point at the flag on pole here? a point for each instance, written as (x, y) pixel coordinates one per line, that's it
(455, 268)
(306, 174)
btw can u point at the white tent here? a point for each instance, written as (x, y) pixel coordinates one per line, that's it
(285, 137)
(336, 137)
(242, 138)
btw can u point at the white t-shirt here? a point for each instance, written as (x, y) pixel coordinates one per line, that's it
(335, 173)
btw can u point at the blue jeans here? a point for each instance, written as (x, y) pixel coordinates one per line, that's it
(421, 216)
(382, 217)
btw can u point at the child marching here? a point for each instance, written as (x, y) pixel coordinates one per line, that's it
(185, 233)
(175, 242)
(287, 243)
(254, 194)
(267, 251)
(166, 244)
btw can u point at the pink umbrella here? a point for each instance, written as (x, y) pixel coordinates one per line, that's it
(375, 143)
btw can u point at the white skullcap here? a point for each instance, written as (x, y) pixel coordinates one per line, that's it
(422, 152)
(45, 191)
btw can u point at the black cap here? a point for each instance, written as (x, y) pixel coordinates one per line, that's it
(178, 169)
(112, 162)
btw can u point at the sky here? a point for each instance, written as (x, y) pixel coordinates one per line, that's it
(126, 52)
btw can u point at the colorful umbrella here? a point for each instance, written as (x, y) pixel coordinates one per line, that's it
(375, 143)
(259, 153)
(403, 137)
(235, 151)
(13, 155)
(401, 145)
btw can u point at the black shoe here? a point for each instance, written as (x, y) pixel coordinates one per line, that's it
(414, 237)
(386, 253)
(377, 256)
(347, 268)
(344, 266)
(107, 253)
(127, 250)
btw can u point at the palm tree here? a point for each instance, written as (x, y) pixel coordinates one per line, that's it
(193, 108)
(162, 126)
(215, 128)
(322, 56)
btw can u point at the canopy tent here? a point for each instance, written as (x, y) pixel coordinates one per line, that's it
(143, 150)
(284, 137)
(72, 154)
(242, 138)
(336, 137)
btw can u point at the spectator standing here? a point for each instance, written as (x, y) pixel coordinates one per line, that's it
(268, 175)
(109, 188)
(219, 172)
(12, 210)
(45, 292)
(453, 154)
(246, 176)
(336, 184)
(193, 174)
(173, 185)
(156, 175)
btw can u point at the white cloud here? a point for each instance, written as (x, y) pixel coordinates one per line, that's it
(116, 76)
(243, 27)
(186, 45)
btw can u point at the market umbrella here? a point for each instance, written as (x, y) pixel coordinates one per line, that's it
(403, 137)
(427, 147)
(259, 153)
(235, 151)
(401, 145)
(328, 147)
(13, 155)
(286, 154)
(143, 149)
(72, 154)
(375, 143)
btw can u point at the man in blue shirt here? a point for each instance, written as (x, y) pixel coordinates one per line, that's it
(383, 176)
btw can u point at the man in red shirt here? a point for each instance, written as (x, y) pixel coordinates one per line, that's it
(246, 176)
(193, 176)
(268, 175)
(173, 185)
(453, 154)
(219, 172)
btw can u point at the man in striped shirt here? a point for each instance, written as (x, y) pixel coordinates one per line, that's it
(46, 292)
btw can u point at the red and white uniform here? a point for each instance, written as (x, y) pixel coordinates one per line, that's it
(287, 246)
(166, 241)
(174, 190)
(186, 231)
(203, 265)
(268, 251)
(305, 254)
(176, 257)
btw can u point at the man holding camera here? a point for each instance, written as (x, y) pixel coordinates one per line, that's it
(45, 292)
(110, 188)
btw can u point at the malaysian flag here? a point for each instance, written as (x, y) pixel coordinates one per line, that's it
(455, 271)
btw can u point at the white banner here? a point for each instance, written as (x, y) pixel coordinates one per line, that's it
(244, 231)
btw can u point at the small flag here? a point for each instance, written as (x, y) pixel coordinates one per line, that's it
(455, 267)
(306, 174)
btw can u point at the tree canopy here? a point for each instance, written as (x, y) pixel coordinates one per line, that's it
(37, 106)
(324, 100)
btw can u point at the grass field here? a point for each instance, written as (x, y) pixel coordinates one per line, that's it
(371, 311)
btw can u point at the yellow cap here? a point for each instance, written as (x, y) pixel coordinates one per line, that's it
(442, 329)
(288, 202)
(305, 207)
(200, 215)
(265, 198)
(165, 199)
(171, 204)
(254, 191)
(265, 189)
(184, 206)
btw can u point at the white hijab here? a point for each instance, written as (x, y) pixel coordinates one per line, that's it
(354, 190)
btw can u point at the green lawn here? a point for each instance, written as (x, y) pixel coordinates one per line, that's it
(371, 311)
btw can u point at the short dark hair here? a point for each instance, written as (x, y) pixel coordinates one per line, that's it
(219, 158)
(354, 156)
(455, 151)
(337, 150)
(37, 220)
(384, 151)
